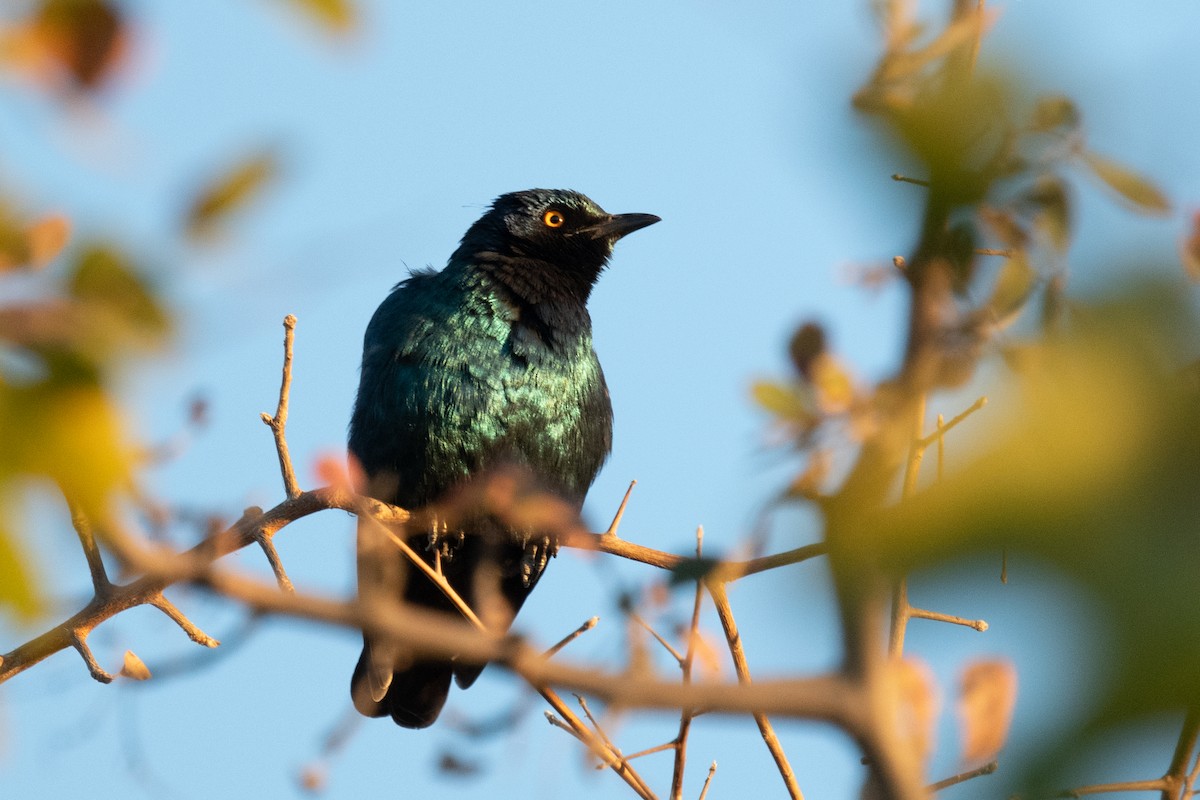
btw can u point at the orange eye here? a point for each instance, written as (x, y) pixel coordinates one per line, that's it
(554, 219)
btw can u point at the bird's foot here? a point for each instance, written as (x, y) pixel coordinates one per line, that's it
(538, 551)
(442, 541)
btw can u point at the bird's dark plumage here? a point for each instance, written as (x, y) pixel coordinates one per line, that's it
(484, 365)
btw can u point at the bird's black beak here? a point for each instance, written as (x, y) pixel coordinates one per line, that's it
(619, 225)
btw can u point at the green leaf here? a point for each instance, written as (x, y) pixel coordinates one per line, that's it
(1140, 192)
(116, 302)
(229, 192)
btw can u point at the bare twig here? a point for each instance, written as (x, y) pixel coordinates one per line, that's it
(1158, 784)
(725, 613)
(278, 423)
(572, 636)
(942, 430)
(101, 585)
(712, 770)
(267, 543)
(685, 664)
(905, 179)
(675, 654)
(921, 613)
(78, 639)
(159, 601)
(278, 426)
(986, 769)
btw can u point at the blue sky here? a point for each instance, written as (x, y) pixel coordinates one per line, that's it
(732, 125)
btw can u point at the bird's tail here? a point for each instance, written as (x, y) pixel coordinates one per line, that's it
(413, 698)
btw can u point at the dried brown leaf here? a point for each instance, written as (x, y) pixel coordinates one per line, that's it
(86, 39)
(987, 696)
(134, 667)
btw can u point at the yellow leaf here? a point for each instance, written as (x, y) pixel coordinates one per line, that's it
(17, 590)
(229, 192)
(338, 16)
(134, 667)
(833, 384)
(780, 400)
(1139, 191)
(987, 695)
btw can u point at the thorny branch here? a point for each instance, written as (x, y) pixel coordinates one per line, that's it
(685, 665)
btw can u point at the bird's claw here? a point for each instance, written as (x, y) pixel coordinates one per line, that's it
(538, 551)
(442, 541)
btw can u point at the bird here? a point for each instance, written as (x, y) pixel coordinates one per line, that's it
(484, 365)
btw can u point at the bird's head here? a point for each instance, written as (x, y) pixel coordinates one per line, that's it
(547, 242)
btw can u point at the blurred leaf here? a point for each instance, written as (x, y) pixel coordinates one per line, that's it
(1054, 111)
(958, 129)
(230, 192)
(17, 592)
(65, 429)
(1189, 250)
(833, 384)
(338, 16)
(1092, 471)
(807, 343)
(693, 569)
(87, 38)
(809, 484)
(1139, 191)
(780, 399)
(919, 704)
(1050, 205)
(1012, 289)
(451, 764)
(117, 304)
(987, 696)
(47, 237)
(134, 667)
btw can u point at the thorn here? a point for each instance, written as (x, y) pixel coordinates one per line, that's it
(616, 523)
